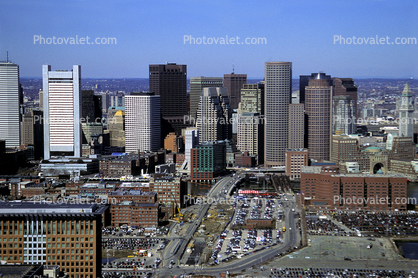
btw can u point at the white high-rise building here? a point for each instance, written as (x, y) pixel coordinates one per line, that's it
(406, 110)
(277, 95)
(192, 140)
(62, 112)
(142, 122)
(9, 104)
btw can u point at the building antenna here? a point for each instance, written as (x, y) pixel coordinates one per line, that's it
(7, 56)
(233, 66)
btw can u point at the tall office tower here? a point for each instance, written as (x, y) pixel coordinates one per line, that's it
(116, 127)
(304, 81)
(192, 140)
(142, 122)
(26, 133)
(41, 99)
(62, 112)
(250, 135)
(296, 125)
(278, 94)
(87, 106)
(170, 82)
(343, 111)
(10, 92)
(233, 82)
(196, 86)
(105, 100)
(214, 115)
(346, 87)
(406, 109)
(39, 228)
(318, 107)
(252, 99)
(250, 127)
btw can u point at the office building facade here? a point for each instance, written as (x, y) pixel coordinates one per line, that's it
(196, 86)
(406, 110)
(278, 95)
(142, 122)
(169, 81)
(296, 125)
(62, 112)
(208, 160)
(10, 94)
(214, 115)
(318, 107)
(68, 235)
(233, 82)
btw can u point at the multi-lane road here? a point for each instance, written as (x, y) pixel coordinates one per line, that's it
(174, 250)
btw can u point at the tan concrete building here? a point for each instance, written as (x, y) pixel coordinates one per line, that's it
(295, 160)
(296, 125)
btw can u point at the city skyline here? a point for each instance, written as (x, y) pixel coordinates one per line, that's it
(170, 39)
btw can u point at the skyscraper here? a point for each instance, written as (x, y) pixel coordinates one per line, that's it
(233, 82)
(196, 86)
(10, 104)
(343, 111)
(296, 125)
(346, 87)
(142, 122)
(62, 112)
(250, 127)
(278, 95)
(214, 115)
(192, 140)
(170, 82)
(304, 81)
(406, 123)
(318, 107)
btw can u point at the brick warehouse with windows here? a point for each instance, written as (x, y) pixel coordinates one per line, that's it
(129, 213)
(68, 235)
(325, 187)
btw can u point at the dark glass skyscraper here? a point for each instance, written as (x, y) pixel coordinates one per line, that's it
(170, 82)
(233, 82)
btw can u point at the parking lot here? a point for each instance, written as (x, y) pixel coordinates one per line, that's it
(380, 223)
(237, 240)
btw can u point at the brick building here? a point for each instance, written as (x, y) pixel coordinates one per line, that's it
(134, 214)
(53, 234)
(118, 166)
(325, 187)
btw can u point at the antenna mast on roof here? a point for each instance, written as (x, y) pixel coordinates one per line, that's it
(233, 66)
(7, 56)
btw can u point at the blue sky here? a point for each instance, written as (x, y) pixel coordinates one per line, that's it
(150, 32)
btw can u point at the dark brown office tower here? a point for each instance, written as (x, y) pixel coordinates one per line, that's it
(233, 82)
(304, 81)
(346, 87)
(170, 82)
(318, 107)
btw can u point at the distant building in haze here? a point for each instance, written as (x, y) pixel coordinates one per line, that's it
(406, 110)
